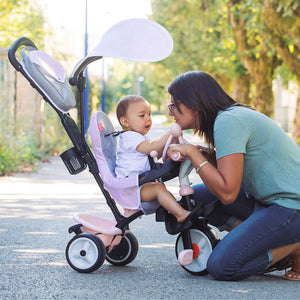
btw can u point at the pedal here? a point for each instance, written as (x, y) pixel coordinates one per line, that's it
(75, 228)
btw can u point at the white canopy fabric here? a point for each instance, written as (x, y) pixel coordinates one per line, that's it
(135, 39)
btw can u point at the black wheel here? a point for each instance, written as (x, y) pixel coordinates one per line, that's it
(85, 252)
(204, 239)
(125, 252)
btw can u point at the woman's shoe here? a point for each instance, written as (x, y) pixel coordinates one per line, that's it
(291, 275)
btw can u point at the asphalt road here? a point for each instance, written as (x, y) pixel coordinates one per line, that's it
(35, 213)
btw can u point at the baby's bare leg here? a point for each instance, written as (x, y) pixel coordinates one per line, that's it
(156, 190)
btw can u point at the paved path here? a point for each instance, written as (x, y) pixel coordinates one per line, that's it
(35, 212)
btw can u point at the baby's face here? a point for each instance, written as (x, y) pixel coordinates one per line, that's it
(139, 117)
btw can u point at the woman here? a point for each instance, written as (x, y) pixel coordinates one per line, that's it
(252, 153)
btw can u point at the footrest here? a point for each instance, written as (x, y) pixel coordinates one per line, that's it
(97, 224)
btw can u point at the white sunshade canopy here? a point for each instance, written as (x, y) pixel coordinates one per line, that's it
(135, 39)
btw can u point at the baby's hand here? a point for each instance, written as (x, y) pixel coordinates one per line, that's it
(154, 155)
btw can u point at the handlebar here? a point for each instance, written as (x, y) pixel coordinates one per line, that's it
(79, 67)
(176, 156)
(26, 42)
(22, 41)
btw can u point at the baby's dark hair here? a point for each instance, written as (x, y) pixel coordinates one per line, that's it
(123, 104)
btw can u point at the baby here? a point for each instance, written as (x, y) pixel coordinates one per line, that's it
(134, 115)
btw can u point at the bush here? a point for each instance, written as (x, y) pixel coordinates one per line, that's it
(18, 154)
(7, 160)
(54, 139)
(28, 150)
(21, 148)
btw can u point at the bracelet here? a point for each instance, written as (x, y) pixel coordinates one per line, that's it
(201, 165)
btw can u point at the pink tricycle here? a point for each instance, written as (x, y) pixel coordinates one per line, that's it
(97, 239)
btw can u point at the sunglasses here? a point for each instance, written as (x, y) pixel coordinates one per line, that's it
(171, 107)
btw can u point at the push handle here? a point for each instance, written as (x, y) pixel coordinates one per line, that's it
(20, 42)
(176, 156)
(79, 68)
(175, 138)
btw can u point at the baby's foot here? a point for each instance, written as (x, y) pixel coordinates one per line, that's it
(183, 216)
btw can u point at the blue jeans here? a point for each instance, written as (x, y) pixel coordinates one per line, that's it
(246, 250)
(219, 215)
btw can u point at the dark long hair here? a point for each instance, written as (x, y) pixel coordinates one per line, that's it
(201, 92)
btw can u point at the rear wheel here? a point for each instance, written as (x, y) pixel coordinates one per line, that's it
(125, 252)
(204, 239)
(85, 252)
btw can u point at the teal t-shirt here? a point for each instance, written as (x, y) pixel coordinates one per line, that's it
(271, 158)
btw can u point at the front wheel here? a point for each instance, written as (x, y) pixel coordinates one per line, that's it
(204, 239)
(125, 252)
(85, 252)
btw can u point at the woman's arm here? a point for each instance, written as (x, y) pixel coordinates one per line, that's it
(209, 154)
(157, 145)
(225, 180)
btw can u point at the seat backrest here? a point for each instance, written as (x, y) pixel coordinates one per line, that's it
(125, 191)
(108, 142)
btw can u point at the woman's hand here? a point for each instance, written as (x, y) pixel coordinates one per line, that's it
(183, 149)
(223, 179)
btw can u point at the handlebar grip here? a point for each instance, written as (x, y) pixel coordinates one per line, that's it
(176, 156)
(22, 41)
(79, 68)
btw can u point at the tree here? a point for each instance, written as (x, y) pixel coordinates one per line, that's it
(282, 18)
(255, 49)
(203, 40)
(20, 18)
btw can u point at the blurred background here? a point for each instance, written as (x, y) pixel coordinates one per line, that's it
(251, 47)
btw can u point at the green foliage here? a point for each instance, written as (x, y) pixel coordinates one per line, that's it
(22, 151)
(54, 139)
(154, 87)
(7, 160)
(285, 74)
(203, 39)
(122, 80)
(287, 7)
(21, 148)
(27, 148)
(17, 153)
(282, 20)
(20, 18)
